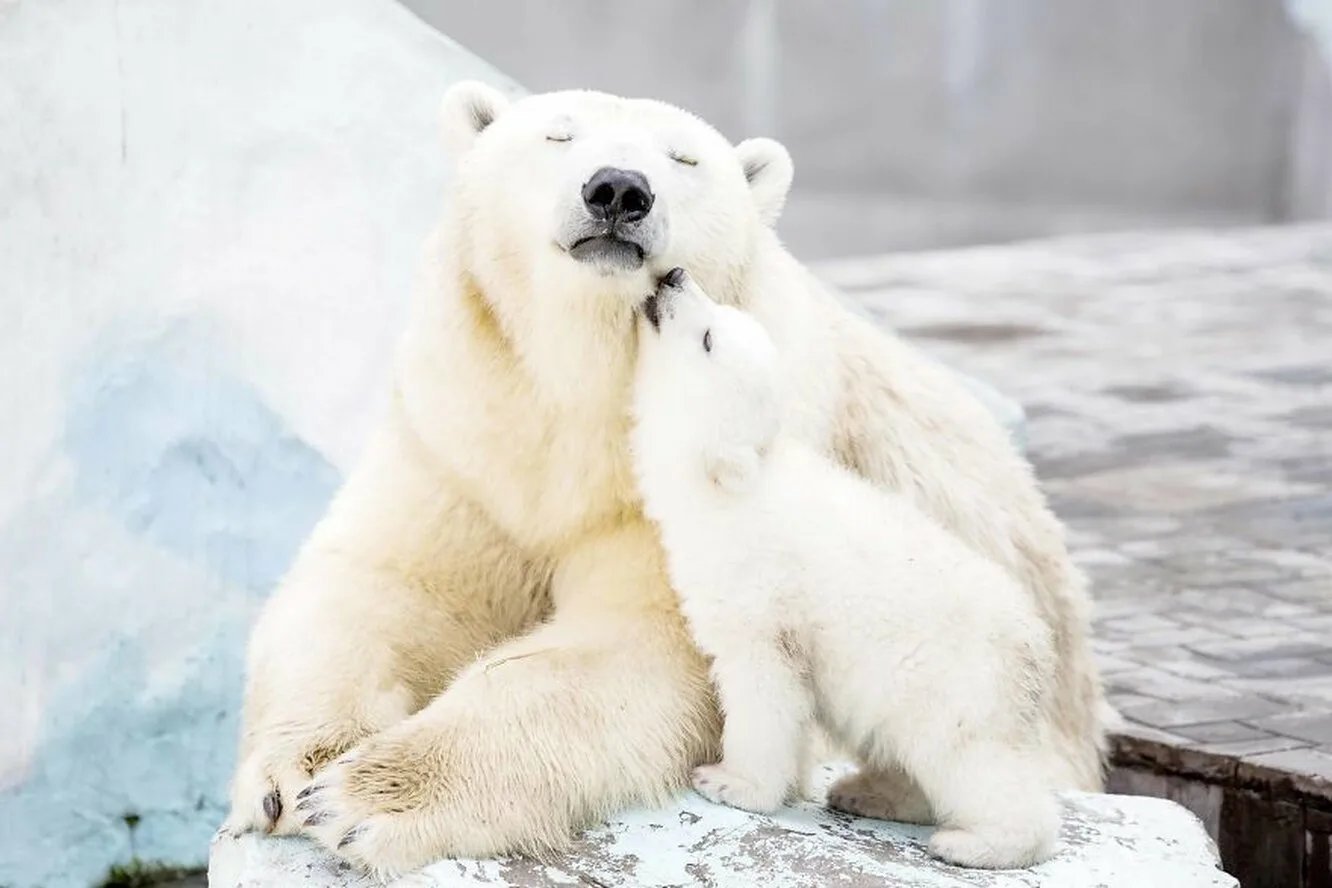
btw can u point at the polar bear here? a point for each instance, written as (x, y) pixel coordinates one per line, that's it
(477, 650)
(823, 598)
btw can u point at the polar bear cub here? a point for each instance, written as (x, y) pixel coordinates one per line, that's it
(822, 597)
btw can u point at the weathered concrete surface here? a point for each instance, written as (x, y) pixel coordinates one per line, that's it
(1107, 841)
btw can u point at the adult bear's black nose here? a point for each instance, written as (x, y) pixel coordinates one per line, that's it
(618, 195)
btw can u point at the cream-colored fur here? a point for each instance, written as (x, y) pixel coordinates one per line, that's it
(824, 599)
(481, 623)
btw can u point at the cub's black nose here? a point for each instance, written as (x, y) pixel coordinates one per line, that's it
(618, 195)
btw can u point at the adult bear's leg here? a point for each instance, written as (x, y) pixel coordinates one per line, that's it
(606, 705)
(367, 626)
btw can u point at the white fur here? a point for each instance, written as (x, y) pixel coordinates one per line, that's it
(482, 618)
(821, 597)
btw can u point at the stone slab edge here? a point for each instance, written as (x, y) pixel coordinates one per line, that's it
(1107, 841)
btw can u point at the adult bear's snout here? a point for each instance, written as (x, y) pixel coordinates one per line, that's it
(618, 195)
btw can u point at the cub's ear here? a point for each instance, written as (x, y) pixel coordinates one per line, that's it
(468, 108)
(768, 168)
(733, 469)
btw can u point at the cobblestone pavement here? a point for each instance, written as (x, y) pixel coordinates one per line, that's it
(1179, 394)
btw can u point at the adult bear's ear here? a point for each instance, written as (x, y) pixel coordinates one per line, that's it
(733, 468)
(768, 169)
(468, 108)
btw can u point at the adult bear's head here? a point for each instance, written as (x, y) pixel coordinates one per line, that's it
(590, 192)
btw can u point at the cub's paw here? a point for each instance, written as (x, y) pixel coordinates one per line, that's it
(881, 796)
(674, 279)
(720, 784)
(989, 849)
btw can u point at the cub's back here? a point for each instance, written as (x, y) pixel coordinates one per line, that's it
(866, 552)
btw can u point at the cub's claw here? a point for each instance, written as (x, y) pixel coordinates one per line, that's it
(674, 279)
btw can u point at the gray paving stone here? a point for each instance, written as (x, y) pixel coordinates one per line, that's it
(1213, 733)
(1299, 694)
(1181, 663)
(1315, 591)
(1110, 664)
(1163, 685)
(1277, 647)
(1317, 374)
(1284, 667)
(1242, 748)
(1178, 636)
(1289, 611)
(1123, 700)
(1136, 624)
(1250, 625)
(1173, 714)
(1312, 726)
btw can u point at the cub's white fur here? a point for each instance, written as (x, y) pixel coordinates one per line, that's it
(822, 598)
(477, 650)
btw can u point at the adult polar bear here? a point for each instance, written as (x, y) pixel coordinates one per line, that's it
(479, 631)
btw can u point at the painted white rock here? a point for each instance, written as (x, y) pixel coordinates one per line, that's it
(1107, 841)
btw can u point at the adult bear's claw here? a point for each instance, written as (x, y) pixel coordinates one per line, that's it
(273, 807)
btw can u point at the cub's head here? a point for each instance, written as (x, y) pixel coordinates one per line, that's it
(707, 395)
(591, 191)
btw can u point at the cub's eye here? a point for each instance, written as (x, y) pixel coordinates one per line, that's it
(707, 340)
(682, 158)
(560, 137)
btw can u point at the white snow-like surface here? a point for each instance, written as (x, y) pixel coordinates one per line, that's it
(1107, 841)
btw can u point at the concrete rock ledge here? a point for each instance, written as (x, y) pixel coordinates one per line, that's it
(1107, 841)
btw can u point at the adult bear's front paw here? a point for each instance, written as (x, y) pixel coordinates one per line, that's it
(352, 805)
(386, 805)
(268, 779)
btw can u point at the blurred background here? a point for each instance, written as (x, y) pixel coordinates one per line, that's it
(210, 218)
(967, 121)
